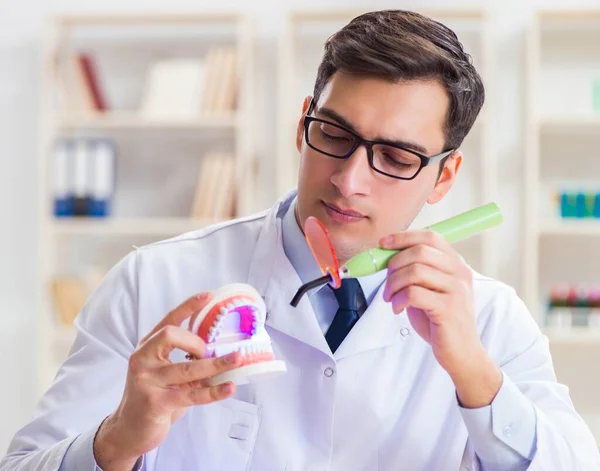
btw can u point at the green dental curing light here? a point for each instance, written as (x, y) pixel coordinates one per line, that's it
(459, 227)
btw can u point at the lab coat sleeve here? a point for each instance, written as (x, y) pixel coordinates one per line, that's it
(510, 416)
(89, 384)
(531, 396)
(80, 454)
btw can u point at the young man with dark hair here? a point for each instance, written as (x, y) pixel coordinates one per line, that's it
(425, 366)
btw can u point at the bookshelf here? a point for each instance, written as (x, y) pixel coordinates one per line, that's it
(562, 137)
(563, 125)
(161, 140)
(300, 51)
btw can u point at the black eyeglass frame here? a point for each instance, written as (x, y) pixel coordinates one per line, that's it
(425, 160)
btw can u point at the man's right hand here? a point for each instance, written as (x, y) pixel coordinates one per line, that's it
(158, 392)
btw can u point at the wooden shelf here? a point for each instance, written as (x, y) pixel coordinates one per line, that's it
(159, 18)
(572, 335)
(569, 14)
(133, 121)
(583, 227)
(570, 123)
(127, 226)
(345, 14)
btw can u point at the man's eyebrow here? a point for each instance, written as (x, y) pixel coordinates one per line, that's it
(347, 124)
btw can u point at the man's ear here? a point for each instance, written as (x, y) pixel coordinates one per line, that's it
(447, 177)
(300, 128)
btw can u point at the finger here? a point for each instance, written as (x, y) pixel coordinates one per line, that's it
(425, 255)
(196, 370)
(403, 240)
(202, 395)
(185, 310)
(169, 338)
(417, 274)
(431, 302)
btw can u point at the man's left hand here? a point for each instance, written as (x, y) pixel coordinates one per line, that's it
(435, 285)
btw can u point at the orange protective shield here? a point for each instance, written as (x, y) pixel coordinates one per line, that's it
(321, 248)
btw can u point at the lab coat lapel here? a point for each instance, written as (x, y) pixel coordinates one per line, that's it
(378, 327)
(273, 275)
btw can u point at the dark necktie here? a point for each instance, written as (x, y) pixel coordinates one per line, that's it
(352, 304)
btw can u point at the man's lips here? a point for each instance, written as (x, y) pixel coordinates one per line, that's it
(344, 211)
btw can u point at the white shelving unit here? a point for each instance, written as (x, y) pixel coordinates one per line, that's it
(562, 139)
(558, 227)
(300, 52)
(563, 135)
(157, 160)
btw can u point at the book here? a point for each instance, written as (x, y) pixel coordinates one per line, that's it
(69, 294)
(79, 90)
(62, 184)
(103, 175)
(83, 177)
(89, 74)
(215, 193)
(219, 95)
(173, 89)
(187, 88)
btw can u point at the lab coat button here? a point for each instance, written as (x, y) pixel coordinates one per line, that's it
(404, 331)
(329, 372)
(507, 431)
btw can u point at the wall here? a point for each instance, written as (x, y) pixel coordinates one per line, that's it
(20, 30)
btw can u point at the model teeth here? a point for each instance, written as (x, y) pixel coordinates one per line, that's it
(250, 348)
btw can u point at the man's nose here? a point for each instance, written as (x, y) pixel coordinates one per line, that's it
(354, 174)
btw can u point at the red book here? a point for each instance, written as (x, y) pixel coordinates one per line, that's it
(92, 81)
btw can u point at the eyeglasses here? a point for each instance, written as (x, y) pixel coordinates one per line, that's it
(388, 159)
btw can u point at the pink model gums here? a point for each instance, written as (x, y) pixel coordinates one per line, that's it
(234, 321)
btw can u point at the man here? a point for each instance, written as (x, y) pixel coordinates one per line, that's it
(443, 370)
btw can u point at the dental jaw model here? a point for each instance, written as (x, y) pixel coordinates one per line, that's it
(234, 321)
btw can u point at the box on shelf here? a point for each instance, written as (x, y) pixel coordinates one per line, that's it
(83, 177)
(594, 319)
(596, 95)
(574, 305)
(70, 292)
(187, 88)
(215, 193)
(578, 204)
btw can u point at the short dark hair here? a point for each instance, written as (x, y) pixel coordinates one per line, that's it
(399, 45)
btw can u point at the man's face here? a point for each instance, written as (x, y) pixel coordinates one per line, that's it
(356, 204)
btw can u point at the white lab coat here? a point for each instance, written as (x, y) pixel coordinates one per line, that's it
(380, 403)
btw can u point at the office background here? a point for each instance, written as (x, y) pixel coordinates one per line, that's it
(533, 250)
